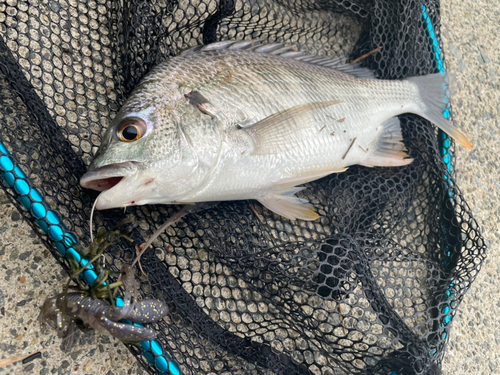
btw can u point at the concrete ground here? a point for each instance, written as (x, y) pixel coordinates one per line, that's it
(471, 37)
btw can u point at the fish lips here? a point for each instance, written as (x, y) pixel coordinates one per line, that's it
(107, 178)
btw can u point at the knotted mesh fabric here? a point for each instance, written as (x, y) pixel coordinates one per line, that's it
(369, 288)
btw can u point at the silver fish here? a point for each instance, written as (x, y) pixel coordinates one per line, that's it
(240, 120)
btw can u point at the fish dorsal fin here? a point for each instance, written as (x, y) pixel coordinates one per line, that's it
(338, 64)
(226, 44)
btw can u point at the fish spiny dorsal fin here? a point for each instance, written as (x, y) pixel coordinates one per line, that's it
(281, 51)
(190, 50)
(268, 48)
(227, 44)
(338, 64)
(243, 44)
(218, 45)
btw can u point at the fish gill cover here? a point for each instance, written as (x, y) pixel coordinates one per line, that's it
(369, 288)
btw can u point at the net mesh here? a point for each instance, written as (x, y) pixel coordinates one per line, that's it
(369, 288)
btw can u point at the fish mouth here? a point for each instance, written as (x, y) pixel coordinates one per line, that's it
(102, 183)
(107, 177)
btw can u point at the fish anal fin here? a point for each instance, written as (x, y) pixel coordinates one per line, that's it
(277, 133)
(380, 161)
(283, 202)
(389, 150)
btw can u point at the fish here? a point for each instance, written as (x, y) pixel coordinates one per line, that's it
(242, 120)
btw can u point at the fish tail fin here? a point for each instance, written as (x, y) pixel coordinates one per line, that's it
(433, 92)
(389, 150)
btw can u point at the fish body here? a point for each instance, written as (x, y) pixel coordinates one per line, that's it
(233, 121)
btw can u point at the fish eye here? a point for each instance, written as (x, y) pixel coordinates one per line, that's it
(131, 129)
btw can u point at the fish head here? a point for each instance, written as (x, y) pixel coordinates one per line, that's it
(145, 156)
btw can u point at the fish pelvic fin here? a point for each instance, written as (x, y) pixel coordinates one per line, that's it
(434, 92)
(389, 150)
(283, 202)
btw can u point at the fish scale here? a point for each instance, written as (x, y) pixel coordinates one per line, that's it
(244, 121)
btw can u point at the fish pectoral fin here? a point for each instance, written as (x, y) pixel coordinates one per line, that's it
(302, 179)
(389, 150)
(279, 132)
(283, 202)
